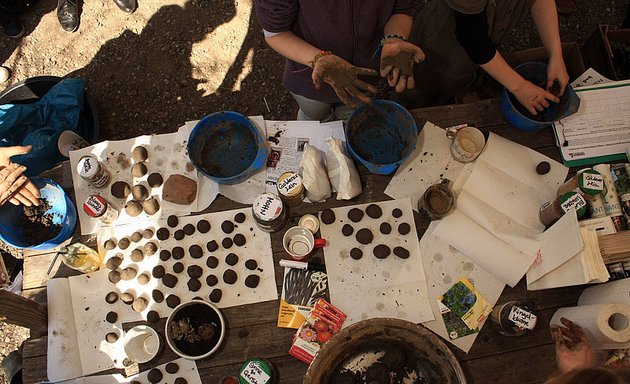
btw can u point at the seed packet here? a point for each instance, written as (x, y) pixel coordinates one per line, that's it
(463, 309)
(300, 291)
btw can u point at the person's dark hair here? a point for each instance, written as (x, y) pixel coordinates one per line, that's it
(594, 376)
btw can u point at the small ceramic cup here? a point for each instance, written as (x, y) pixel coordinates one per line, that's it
(438, 200)
(299, 242)
(141, 343)
(468, 142)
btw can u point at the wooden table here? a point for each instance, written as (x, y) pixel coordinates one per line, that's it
(252, 330)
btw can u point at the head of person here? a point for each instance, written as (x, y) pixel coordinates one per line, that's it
(594, 376)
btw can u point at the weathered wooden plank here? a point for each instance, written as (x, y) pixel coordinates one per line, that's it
(21, 311)
(35, 347)
(38, 295)
(34, 369)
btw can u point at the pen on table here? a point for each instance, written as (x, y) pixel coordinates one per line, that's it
(304, 265)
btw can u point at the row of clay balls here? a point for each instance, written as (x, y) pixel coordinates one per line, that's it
(141, 200)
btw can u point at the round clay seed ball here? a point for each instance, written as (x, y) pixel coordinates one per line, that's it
(147, 233)
(212, 246)
(114, 277)
(252, 281)
(139, 192)
(179, 235)
(251, 264)
(227, 227)
(396, 212)
(111, 298)
(374, 211)
(151, 206)
(155, 375)
(139, 304)
(189, 229)
(139, 154)
(401, 252)
(113, 262)
(172, 368)
(203, 226)
(212, 262)
(153, 316)
(163, 234)
(385, 228)
(355, 215)
(137, 255)
(158, 271)
(133, 208)
(128, 273)
(144, 278)
(178, 267)
(211, 280)
(356, 253)
(157, 296)
(136, 236)
(239, 240)
(195, 251)
(165, 254)
(543, 168)
(215, 295)
(155, 180)
(347, 230)
(231, 259)
(239, 217)
(109, 244)
(139, 170)
(124, 243)
(404, 228)
(172, 301)
(364, 236)
(227, 243)
(150, 248)
(180, 380)
(111, 337)
(229, 276)
(328, 216)
(178, 253)
(120, 189)
(172, 221)
(126, 297)
(194, 285)
(381, 251)
(111, 317)
(194, 271)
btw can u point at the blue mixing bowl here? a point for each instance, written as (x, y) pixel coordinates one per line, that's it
(227, 147)
(381, 135)
(516, 114)
(62, 212)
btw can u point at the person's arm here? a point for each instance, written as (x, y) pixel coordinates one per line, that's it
(293, 47)
(399, 55)
(14, 186)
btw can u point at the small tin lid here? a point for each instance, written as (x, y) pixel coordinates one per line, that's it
(290, 184)
(95, 206)
(87, 166)
(255, 371)
(309, 222)
(591, 182)
(573, 199)
(267, 207)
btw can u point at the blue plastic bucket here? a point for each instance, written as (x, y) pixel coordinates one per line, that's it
(516, 114)
(227, 147)
(381, 135)
(63, 214)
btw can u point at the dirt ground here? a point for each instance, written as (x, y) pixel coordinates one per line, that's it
(178, 60)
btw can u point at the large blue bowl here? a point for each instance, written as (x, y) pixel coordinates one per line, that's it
(519, 117)
(381, 135)
(227, 147)
(62, 210)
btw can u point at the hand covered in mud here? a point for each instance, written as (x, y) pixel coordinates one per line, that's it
(342, 77)
(573, 350)
(397, 59)
(14, 186)
(533, 98)
(557, 76)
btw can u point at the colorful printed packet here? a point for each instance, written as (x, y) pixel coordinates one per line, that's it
(463, 309)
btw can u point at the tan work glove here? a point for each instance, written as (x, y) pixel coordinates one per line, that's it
(14, 186)
(342, 77)
(397, 59)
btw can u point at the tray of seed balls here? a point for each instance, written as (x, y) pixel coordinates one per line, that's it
(147, 175)
(373, 257)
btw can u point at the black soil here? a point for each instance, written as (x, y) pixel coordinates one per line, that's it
(37, 225)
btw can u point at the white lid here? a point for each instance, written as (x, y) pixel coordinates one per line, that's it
(87, 166)
(289, 184)
(267, 207)
(309, 222)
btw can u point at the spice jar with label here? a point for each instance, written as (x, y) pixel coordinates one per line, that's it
(269, 212)
(97, 207)
(257, 371)
(93, 171)
(552, 211)
(514, 318)
(290, 188)
(588, 182)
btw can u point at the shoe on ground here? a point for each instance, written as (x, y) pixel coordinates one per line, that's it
(127, 6)
(14, 28)
(68, 14)
(565, 7)
(5, 74)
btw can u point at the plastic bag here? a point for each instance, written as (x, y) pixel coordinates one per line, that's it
(342, 173)
(314, 174)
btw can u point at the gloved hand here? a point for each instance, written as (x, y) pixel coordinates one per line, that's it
(397, 59)
(573, 350)
(14, 186)
(342, 77)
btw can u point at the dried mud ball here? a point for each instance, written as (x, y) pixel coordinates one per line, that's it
(203, 226)
(543, 168)
(212, 262)
(120, 190)
(364, 236)
(114, 277)
(126, 298)
(347, 230)
(111, 297)
(139, 192)
(136, 236)
(172, 301)
(211, 280)
(178, 253)
(239, 240)
(227, 227)
(381, 251)
(139, 154)
(109, 244)
(251, 264)
(396, 212)
(172, 368)
(163, 233)
(113, 262)
(194, 285)
(179, 189)
(194, 271)
(169, 280)
(151, 206)
(137, 255)
(139, 170)
(179, 235)
(153, 317)
(157, 295)
(155, 375)
(328, 216)
(231, 259)
(172, 221)
(155, 180)
(239, 217)
(230, 277)
(404, 228)
(216, 295)
(111, 317)
(158, 271)
(189, 229)
(356, 253)
(178, 267)
(144, 278)
(128, 273)
(165, 254)
(147, 233)
(139, 304)
(401, 252)
(252, 281)
(227, 243)
(180, 380)
(111, 337)
(385, 228)
(374, 211)
(124, 243)
(133, 208)
(195, 251)
(212, 246)
(150, 248)
(355, 215)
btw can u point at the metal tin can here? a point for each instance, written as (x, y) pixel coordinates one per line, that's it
(257, 371)
(290, 188)
(92, 171)
(269, 212)
(97, 207)
(616, 271)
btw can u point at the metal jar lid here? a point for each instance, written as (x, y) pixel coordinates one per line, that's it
(95, 206)
(256, 371)
(267, 208)
(88, 167)
(289, 184)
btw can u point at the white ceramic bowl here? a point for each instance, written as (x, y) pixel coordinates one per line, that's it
(141, 343)
(211, 312)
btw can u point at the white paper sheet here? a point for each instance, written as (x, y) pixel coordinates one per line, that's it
(428, 164)
(443, 266)
(589, 77)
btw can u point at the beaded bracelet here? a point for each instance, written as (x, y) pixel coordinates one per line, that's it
(401, 37)
(319, 56)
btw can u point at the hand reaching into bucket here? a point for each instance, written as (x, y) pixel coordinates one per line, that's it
(573, 350)
(397, 59)
(557, 76)
(342, 77)
(14, 186)
(534, 98)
